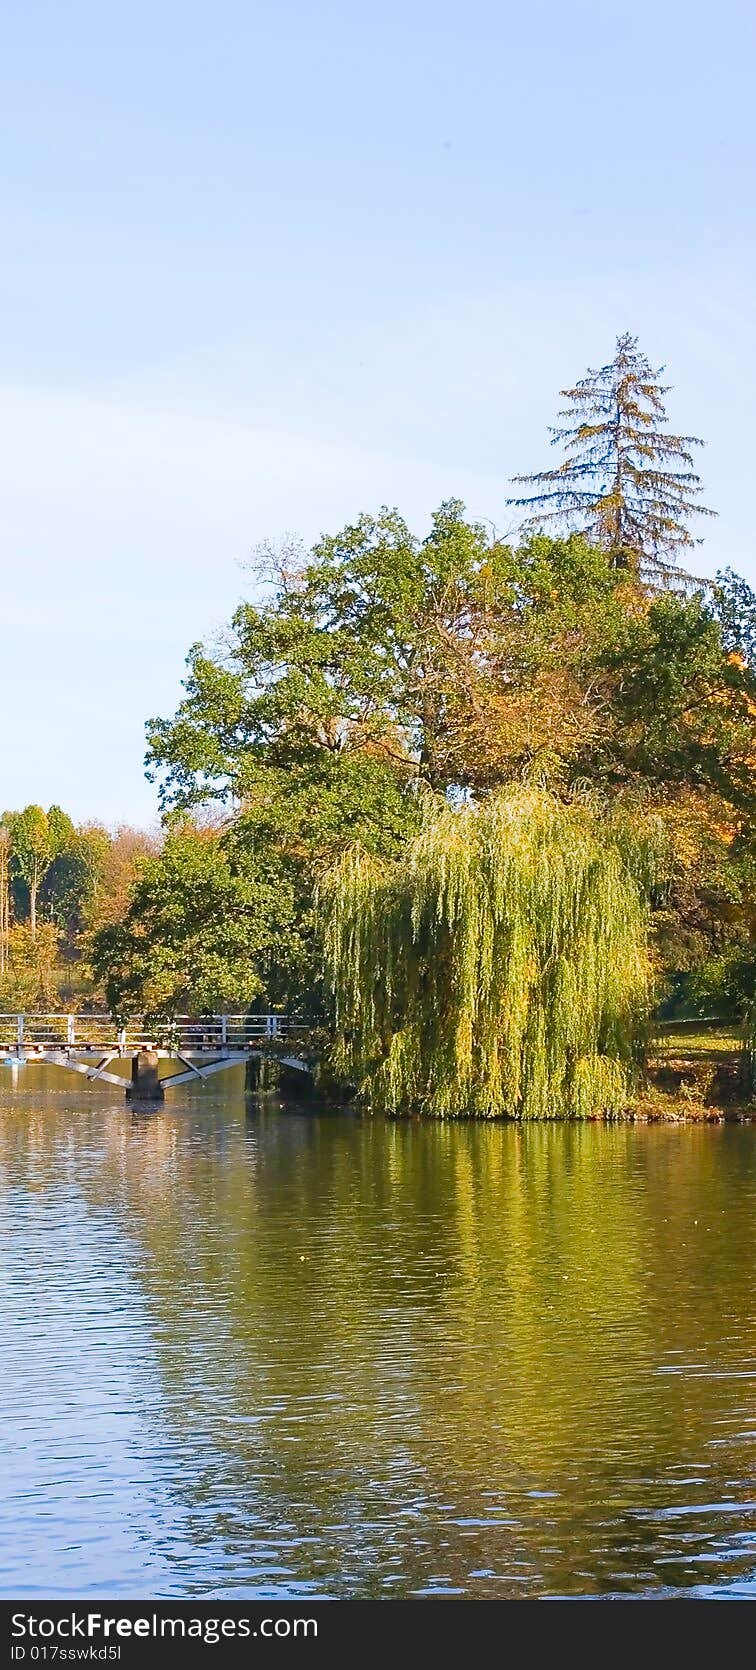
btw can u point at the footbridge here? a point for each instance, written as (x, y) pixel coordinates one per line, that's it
(200, 1046)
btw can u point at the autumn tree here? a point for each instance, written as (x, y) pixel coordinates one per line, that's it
(30, 978)
(625, 481)
(383, 664)
(59, 882)
(357, 653)
(112, 860)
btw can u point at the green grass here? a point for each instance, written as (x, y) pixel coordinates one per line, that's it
(696, 1040)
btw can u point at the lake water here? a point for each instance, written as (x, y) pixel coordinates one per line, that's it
(252, 1351)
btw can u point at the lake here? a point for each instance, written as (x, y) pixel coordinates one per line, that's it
(253, 1351)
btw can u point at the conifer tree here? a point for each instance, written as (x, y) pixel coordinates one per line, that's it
(625, 481)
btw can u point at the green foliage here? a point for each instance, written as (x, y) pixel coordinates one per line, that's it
(201, 932)
(724, 984)
(60, 881)
(32, 848)
(735, 608)
(306, 812)
(361, 650)
(462, 663)
(679, 708)
(625, 481)
(70, 881)
(452, 661)
(502, 966)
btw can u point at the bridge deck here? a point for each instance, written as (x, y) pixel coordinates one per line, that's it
(206, 1034)
(88, 1044)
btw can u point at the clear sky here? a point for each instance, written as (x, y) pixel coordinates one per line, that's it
(265, 266)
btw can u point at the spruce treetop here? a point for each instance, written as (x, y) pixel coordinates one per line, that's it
(625, 481)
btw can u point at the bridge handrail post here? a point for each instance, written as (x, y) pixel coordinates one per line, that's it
(122, 1040)
(70, 1031)
(224, 1030)
(20, 1032)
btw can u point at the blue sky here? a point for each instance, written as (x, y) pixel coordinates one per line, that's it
(266, 266)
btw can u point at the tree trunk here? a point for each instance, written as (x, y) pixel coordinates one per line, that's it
(428, 769)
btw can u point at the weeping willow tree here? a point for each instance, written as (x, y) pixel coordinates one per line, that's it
(502, 968)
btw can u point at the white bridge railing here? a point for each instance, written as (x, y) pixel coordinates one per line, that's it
(184, 1034)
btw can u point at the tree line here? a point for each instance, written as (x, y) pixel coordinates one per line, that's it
(384, 672)
(60, 883)
(384, 683)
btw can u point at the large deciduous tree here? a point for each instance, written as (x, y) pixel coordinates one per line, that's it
(360, 651)
(450, 661)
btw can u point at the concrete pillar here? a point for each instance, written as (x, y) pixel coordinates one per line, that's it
(145, 1078)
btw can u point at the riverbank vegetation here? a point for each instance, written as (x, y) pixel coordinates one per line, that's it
(409, 801)
(60, 883)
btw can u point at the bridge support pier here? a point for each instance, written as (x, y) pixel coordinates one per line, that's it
(252, 1074)
(145, 1078)
(260, 1073)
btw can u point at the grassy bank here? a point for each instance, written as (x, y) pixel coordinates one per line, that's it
(695, 1072)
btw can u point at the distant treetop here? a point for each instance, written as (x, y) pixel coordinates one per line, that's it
(625, 481)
